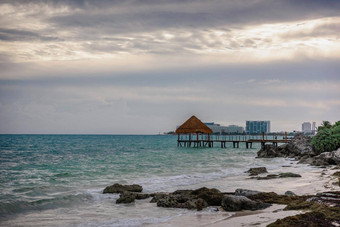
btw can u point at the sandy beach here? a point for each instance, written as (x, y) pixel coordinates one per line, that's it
(313, 181)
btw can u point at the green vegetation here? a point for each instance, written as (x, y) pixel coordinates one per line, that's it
(328, 137)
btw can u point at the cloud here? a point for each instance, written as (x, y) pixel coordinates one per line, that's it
(22, 35)
(69, 66)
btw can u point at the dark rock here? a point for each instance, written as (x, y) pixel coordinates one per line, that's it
(300, 146)
(126, 197)
(237, 203)
(306, 160)
(307, 219)
(190, 199)
(245, 192)
(212, 196)
(140, 196)
(157, 196)
(323, 159)
(284, 175)
(336, 156)
(268, 177)
(327, 158)
(181, 200)
(257, 170)
(290, 193)
(328, 194)
(118, 188)
(336, 174)
(199, 204)
(280, 175)
(269, 151)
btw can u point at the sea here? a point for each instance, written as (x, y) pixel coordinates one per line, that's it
(58, 180)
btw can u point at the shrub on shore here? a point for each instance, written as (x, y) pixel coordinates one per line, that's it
(328, 137)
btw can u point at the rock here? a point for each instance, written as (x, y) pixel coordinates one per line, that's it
(126, 197)
(307, 219)
(336, 174)
(284, 175)
(280, 175)
(118, 188)
(269, 151)
(181, 201)
(324, 158)
(300, 146)
(306, 160)
(245, 192)
(257, 170)
(157, 196)
(327, 158)
(129, 197)
(190, 199)
(328, 194)
(199, 205)
(140, 196)
(237, 203)
(268, 177)
(336, 156)
(290, 193)
(212, 196)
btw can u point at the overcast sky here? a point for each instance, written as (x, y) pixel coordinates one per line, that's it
(143, 67)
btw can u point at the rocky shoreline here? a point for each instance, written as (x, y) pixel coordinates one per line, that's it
(301, 149)
(321, 209)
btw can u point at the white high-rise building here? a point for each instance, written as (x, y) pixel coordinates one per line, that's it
(306, 127)
(314, 128)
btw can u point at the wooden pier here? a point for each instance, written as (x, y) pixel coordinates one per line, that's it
(192, 140)
(194, 132)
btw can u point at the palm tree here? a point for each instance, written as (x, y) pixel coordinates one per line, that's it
(324, 125)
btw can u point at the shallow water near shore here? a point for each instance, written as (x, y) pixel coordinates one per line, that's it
(57, 180)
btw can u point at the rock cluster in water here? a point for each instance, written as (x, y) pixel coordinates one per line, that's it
(301, 149)
(128, 193)
(190, 199)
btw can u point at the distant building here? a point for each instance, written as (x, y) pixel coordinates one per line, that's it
(234, 129)
(256, 127)
(306, 127)
(314, 128)
(217, 128)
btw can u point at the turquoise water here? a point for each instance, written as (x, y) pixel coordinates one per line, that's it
(58, 174)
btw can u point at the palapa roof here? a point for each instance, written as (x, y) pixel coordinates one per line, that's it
(193, 125)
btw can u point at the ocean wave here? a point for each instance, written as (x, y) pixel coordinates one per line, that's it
(19, 206)
(167, 182)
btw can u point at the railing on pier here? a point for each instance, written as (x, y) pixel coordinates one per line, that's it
(206, 140)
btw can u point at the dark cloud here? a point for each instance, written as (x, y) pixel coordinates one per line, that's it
(23, 35)
(133, 16)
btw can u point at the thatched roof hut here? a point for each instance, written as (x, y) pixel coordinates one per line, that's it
(193, 125)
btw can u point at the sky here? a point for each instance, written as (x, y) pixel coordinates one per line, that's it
(144, 67)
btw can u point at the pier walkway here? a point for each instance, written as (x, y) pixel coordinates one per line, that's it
(209, 140)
